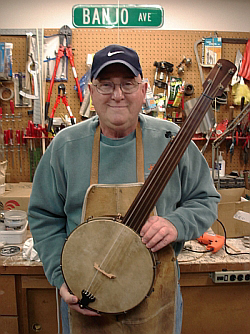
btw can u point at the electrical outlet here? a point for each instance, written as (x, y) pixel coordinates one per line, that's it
(231, 276)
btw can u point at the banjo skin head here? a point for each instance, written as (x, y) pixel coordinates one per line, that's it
(111, 271)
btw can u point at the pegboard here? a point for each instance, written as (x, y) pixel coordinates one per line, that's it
(151, 45)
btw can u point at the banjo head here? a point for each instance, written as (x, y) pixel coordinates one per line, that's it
(107, 259)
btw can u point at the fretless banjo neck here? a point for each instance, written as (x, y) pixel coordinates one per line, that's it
(150, 192)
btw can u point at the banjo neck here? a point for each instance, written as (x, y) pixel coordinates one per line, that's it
(154, 185)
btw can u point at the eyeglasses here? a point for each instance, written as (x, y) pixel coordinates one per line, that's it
(108, 87)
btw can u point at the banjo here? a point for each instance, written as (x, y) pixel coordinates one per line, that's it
(114, 271)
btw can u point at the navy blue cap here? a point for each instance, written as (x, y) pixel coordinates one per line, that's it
(115, 53)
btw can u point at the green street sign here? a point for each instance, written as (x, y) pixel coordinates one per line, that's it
(123, 16)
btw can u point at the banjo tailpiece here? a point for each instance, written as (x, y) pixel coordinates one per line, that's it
(87, 298)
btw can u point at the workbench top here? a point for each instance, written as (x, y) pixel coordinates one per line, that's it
(209, 262)
(188, 261)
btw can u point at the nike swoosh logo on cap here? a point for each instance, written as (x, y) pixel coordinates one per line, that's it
(110, 54)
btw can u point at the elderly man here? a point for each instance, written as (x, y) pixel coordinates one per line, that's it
(186, 208)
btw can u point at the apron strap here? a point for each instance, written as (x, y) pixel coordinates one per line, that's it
(96, 155)
(139, 154)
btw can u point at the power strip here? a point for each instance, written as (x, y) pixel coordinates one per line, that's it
(231, 276)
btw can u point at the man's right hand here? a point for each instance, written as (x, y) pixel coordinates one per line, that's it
(72, 302)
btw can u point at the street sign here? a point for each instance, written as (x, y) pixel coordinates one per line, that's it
(123, 16)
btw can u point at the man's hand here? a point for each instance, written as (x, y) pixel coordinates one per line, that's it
(157, 233)
(72, 302)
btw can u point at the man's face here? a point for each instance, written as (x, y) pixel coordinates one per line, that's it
(118, 111)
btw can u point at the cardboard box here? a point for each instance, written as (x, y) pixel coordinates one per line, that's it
(230, 204)
(16, 196)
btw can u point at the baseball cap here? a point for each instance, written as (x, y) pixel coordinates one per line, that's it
(115, 53)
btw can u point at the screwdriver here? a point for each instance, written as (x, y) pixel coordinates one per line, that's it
(12, 108)
(6, 143)
(18, 140)
(1, 115)
(10, 134)
(23, 140)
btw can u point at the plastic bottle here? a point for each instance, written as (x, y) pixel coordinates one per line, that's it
(222, 165)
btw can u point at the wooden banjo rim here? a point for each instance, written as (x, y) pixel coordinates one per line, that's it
(115, 219)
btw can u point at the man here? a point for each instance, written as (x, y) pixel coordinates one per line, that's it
(187, 206)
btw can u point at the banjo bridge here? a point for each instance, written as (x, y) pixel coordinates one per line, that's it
(87, 298)
(111, 276)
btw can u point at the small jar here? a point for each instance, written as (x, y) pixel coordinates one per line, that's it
(15, 219)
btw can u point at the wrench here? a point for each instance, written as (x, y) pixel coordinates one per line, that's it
(34, 75)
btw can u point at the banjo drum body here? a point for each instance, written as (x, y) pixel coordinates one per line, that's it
(111, 264)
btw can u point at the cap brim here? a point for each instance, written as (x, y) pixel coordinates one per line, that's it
(132, 68)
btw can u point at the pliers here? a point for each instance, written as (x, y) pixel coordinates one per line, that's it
(61, 95)
(64, 33)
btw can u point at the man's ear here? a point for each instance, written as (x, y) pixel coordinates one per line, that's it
(144, 90)
(90, 86)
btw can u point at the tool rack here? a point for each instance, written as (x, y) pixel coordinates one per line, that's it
(151, 45)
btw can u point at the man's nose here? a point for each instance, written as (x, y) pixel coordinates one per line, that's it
(117, 93)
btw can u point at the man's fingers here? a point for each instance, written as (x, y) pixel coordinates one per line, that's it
(84, 311)
(72, 302)
(158, 232)
(163, 243)
(66, 296)
(149, 223)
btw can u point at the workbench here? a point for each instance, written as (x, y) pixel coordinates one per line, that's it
(28, 302)
(215, 307)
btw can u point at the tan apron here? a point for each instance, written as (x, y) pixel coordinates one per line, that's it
(155, 314)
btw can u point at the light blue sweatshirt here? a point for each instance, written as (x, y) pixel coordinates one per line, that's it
(62, 178)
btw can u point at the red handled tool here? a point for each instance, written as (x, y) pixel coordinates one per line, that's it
(214, 242)
(61, 95)
(1, 114)
(12, 108)
(18, 141)
(10, 135)
(65, 32)
(6, 143)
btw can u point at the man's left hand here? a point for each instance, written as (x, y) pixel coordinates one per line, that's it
(157, 233)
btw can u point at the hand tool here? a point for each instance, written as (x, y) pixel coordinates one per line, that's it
(47, 70)
(245, 148)
(20, 87)
(34, 133)
(162, 66)
(34, 74)
(224, 40)
(12, 108)
(180, 67)
(65, 32)
(238, 62)
(10, 134)
(18, 141)
(23, 140)
(214, 242)
(216, 143)
(61, 95)
(6, 143)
